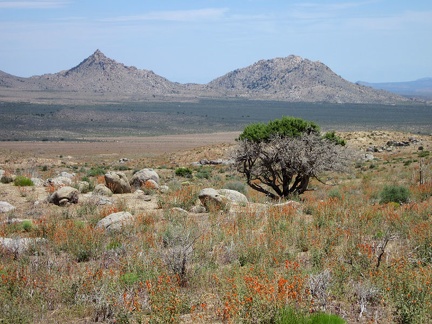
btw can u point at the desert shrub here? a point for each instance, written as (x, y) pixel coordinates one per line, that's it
(183, 172)
(288, 315)
(204, 173)
(280, 158)
(332, 137)
(423, 154)
(397, 194)
(96, 171)
(23, 181)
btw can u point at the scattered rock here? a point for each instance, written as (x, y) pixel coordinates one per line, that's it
(117, 182)
(233, 195)
(83, 186)
(220, 198)
(58, 181)
(198, 209)
(115, 221)
(123, 160)
(5, 207)
(19, 245)
(102, 190)
(163, 189)
(141, 177)
(67, 175)
(64, 196)
(37, 182)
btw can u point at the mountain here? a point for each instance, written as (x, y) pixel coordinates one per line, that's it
(101, 79)
(296, 79)
(421, 88)
(100, 74)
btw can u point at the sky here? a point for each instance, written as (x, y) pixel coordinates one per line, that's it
(199, 40)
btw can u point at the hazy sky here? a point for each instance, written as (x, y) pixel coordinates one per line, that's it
(199, 40)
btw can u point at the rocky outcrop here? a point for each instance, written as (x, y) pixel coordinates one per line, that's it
(64, 196)
(115, 221)
(117, 182)
(102, 190)
(220, 198)
(5, 207)
(139, 179)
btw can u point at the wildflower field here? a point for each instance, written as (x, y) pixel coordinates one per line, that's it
(349, 247)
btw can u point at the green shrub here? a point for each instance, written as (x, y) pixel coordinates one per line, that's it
(284, 127)
(397, 194)
(23, 181)
(290, 316)
(331, 136)
(96, 171)
(183, 172)
(204, 173)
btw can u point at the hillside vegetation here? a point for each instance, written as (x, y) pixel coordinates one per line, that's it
(350, 247)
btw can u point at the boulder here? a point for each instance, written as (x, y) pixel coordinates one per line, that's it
(115, 221)
(83, 186)
(233, 196)
(142, 176)
(221, 198)
(102, 190)
(64, 196)
(5, 207)
(67, 175)
(37, 182)
(117, 182)
(58, 181)
(19, 245)
(198, 209)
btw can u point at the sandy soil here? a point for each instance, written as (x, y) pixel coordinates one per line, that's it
(145, 146)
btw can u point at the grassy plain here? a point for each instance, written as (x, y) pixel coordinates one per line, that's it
(339, 251)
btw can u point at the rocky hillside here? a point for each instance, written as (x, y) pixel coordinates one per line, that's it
(100, 79)
(100, 74)
(296, 79)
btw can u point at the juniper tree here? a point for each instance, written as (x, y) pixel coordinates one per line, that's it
(279, 158)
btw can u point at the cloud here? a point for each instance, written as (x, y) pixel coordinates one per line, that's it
(32, 4)
(178, 15)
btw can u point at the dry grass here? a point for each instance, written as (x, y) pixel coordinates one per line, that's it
(340, 252)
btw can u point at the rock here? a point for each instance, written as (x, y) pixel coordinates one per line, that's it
(19, 245)
(290, 203)
(2, 172)
(7, 178)
(64, 196)
(180, 211)
(151, 184)
(198, 210)
(368, 157)
(140, 178)
(117, 182)
(67, 175)
(83, 186)
(221, 197)
(37, 182)
(123, 160)
(233, 195)
(58, 181)
(102, 190)
(115, 221)
(163, 189)
(5, 207)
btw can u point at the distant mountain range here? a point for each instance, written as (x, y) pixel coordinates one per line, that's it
(101, 79)
(421, 88)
